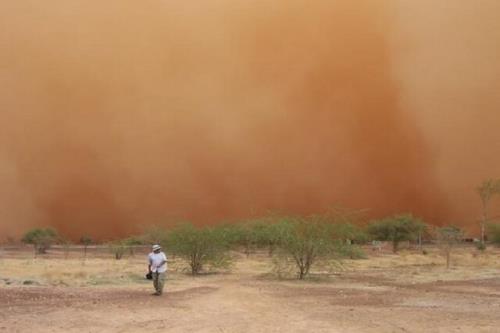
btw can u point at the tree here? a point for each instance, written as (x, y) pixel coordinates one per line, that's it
(448, 237)
(41, 239)
(305, 240)
(487, 190)
(85, 240)
(396, 229)
(200, 246)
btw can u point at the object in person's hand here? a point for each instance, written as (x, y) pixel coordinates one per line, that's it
(149, 276)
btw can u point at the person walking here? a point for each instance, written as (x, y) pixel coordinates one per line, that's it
(157, 268)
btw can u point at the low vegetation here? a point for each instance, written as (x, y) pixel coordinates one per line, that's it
(255, 234)
(305, 240)
(308, 241)
(41, 239)
(200, 246)
(118, 249)
(298, 242)
(396, 229)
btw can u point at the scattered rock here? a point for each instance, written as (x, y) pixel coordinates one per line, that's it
(6, 281)
(30, 282)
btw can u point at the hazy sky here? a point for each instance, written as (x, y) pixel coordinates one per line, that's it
(120, 114)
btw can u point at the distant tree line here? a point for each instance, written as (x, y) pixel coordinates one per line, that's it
(304, 241)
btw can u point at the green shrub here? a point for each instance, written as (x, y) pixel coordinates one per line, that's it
(305, 241)
(350, 251)
(200, 246)
(255, 233)
(349, 233)
(267, 234)
(40, 238)
(241, 235)
(396, 229)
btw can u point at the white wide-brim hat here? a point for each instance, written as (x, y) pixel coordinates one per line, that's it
(156, 247)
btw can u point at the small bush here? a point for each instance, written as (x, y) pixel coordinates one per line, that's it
(351, 251)
(396, 229)
(349, 233)
(200, 246)
(41, 239)
(118, 249)
(267, 234)
(242, 235)
(305, 241)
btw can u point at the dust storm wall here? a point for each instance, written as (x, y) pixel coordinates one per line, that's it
(447, 59)
(117, 115)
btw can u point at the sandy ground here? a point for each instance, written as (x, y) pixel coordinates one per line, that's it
(385, 293)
